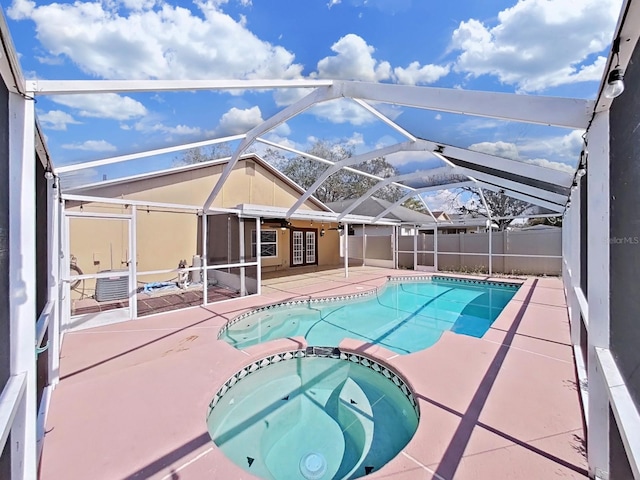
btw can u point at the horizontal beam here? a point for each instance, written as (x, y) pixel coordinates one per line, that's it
(554, 111)
(70, 87)
(525, 198)
(515, 186)
(148, 153)
(516, 167)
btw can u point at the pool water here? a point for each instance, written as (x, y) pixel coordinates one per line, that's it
(404, 317)
(313, 418)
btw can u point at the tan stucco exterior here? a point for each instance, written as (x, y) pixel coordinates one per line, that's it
(166, 237)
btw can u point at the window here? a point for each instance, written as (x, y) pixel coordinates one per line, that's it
(268, 243)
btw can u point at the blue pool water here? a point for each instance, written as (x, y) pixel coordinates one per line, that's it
(404, 317)
(313, 418)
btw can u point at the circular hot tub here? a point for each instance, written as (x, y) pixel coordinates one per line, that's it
(314, 414)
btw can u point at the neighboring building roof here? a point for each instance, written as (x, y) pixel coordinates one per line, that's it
(467, 220)
(372, 207)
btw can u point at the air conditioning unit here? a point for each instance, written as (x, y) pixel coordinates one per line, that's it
(113, 288)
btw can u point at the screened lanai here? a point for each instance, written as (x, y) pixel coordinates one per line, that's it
(222, 228)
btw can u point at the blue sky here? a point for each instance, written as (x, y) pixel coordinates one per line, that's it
(540, 47)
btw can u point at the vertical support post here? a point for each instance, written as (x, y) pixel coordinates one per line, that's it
(345, 233)
(259, 257)
(364, 245)
(243, 270)
(203, 260)
(415, 247)
(435, 248)
(598, 292)
(22, 280)
(65, 269)
(133, 262)
(53, 280)
(394, 247)
(574, 265)
(490, 247)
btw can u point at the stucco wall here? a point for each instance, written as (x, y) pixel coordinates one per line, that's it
(166, 237)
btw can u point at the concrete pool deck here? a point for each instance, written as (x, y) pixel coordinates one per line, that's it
(133, 397)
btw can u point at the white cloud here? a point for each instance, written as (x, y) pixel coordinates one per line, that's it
(237, 121)
(542, 162)
(447, 200)
(342, 110)
(415, 74)
(148, 127)
(537, 44)
(565, 146)
(499, 149)
(91, 145)
(354, 61)
(50, 60)
(145, 39)
(333, 2)
(512, 151)
(56, 120)
(105, 105)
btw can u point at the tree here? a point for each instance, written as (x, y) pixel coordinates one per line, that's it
(552, 221)
(500, 205)
(203, 154)
(414, 204)
(342, 185)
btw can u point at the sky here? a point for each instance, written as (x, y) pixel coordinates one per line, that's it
(535, 47)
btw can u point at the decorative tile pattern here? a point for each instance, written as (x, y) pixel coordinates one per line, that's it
(472, 281)
(296, 303)
(326, 352)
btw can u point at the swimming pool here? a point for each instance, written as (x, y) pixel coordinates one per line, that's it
(316, 413)
(404, 316)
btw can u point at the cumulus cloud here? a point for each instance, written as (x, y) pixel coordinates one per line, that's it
(353, 61)
(148, 39)
(105, 105)
(91, 145)
(182, 130)
(499, 149)
(237, 121)
(415, 74)
(537, 44)
(512, 151)
(56, 120)
(566, 146)
(342, 110)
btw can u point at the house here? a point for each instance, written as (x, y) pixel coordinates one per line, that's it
(166, 230)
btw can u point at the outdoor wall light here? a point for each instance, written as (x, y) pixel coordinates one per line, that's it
(322, 232)
(615, 83)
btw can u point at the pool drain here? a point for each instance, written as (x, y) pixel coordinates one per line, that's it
(313, 466)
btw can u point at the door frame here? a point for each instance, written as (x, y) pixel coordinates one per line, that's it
(304, 245)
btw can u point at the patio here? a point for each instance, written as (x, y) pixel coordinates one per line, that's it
(133, 397)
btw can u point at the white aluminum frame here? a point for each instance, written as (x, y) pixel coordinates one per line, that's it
(22, 285)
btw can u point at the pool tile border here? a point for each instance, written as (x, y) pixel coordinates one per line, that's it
(472, 281)
(324, 352)
(293, 303)
(368, 293)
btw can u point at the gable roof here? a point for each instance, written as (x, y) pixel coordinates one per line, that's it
(87, 189)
